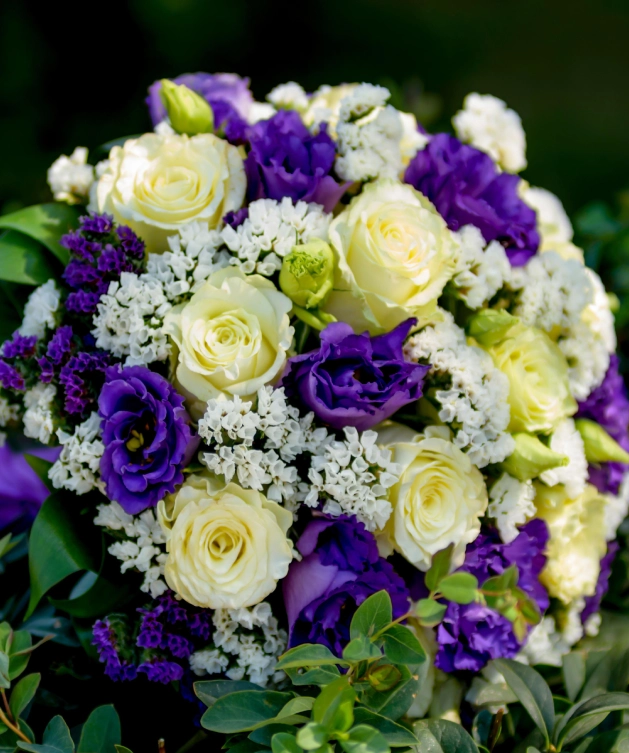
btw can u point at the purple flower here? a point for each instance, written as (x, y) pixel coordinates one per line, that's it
(593, 603)
(22, 492)
(285, 159)
(146, 435)
(10, 377)
(161, 670)
(110, 637)
(234, 219)
(472, 634)
(81, 378)
(467, 189)
(608, 405)
(340, 568)
(99, 224)
(355, 380)
(19, 346)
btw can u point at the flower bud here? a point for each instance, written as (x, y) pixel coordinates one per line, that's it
(490, 326)
(307, 273)
(188, 112)
(599, 446)
(531, 458)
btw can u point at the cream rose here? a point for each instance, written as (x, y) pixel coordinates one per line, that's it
(539, 391)
(577, 540)
(158, 183)
(227, 546)
(232, 335)
(438, 500)
(395, 255)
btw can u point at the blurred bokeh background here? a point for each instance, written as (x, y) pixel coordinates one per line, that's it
(71, 78)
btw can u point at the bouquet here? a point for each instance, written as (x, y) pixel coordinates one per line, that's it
(342, 443)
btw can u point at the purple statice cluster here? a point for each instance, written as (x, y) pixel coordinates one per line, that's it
(159, 643)
(339, 569)
(608, 406)
(15, 353)
(99, 253)
(472, 634)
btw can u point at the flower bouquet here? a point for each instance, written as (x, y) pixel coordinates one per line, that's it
(342, 441)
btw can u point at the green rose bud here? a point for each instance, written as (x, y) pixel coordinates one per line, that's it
(599, 446)
(188, 112)
(531, 458)
(307, 273)
(490, 326)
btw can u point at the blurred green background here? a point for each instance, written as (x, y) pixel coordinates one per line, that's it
(72, 77)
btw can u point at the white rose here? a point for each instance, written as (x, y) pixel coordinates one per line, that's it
(232, 335)
(395, 255)
(227, 546)
(159, 182)
(438, 500)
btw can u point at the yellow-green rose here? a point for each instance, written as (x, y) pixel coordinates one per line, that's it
(438, 500)
(577, 540)
(227, 546)
(539, 391)
(395, 255)
(158, 183)
(232, 335)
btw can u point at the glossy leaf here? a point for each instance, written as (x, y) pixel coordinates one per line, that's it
(41, 468)
(264, 735)
(5, 682)
(450, 736)
(393, 703)
(57, 739)
(459, 587)
(573, 670)
(23, 693)
(439, 568)
(296, 706)
(313, 676)
(402, 647)
(283, 742)
(383, 677)
(365, 739)
(244, 710)
(372, 616)
(209, 691)
(312, 736)
(587, 715)
(45, 223)
(101, 731)
(308, 655)
(334, 707)
(23, 260)
(430, 612)
(360, 649)
(19, 655)
(103, 596)
(395, 734)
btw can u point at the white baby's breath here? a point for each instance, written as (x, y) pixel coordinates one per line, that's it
(77, 468)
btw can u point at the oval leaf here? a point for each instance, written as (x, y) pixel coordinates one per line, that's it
(244, 710)
(308, 655)
(395, 734)
(45, 223)
(373, 615)
(22, 694)
(23, 260)
(402, 647)
(365, 739)
(209, 691)
(101, 731)
(459, 587)
(57, 739)
(450, 736)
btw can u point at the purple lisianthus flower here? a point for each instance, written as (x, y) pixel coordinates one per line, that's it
(146, 434)
(22, 492)
(466, 188)
(593, 603)
(354, 380)
(608, 406)
(340, 568)
(472, 634)
(285, 159)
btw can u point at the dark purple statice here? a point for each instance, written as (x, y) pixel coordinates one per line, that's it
(608, 406)
(19, 346)
(285, 159)
(10, 377)
(110, 637)
(467, 189)
(472, 634)
(147, 437)
(593, 603)
(99, 253)
(234, 219)
(81, 378)
(57, 353)
(16, 353)
(340, 568)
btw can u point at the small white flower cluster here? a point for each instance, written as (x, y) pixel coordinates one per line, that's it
(40, 310)
(488, 124)
(567, 441)
(38, 417)
(246, 642)
(552, 292)
(129, 321)
(552, 220)
(288, 96)
(144, 548)
(270, 232)
(192, 258)
(352, 477)
(8, 413)
(70, 178)
(77, 468)
(369, 135)
(481, 271)
(231, 428)
(476, 403)
(554, 636)
(511, 503)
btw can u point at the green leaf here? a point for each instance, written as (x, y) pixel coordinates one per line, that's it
(461, 588)
(314, 676)
(121, 749)
(360, 649)
(101, 731)
(312, 736)
(334, 707)
(101, 597)
(45, 223)
(283, 742)
(5, 682)
(308, 655)
(296, 706)
(209, 691)
(19, 654)
(23, 260)
(532, 692)
(395, 734)
(383, 677)
(587, 715)
(57, 548)
(372, 616)
(244, 710)
(573, 668)
(451, 737)
(395, 702)
(264, 735)
(57, 739)
(6, 544)
(365, 739)
(439, 567)
(22, 694)
(402, 647)
(41, 468)
(430, 612)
